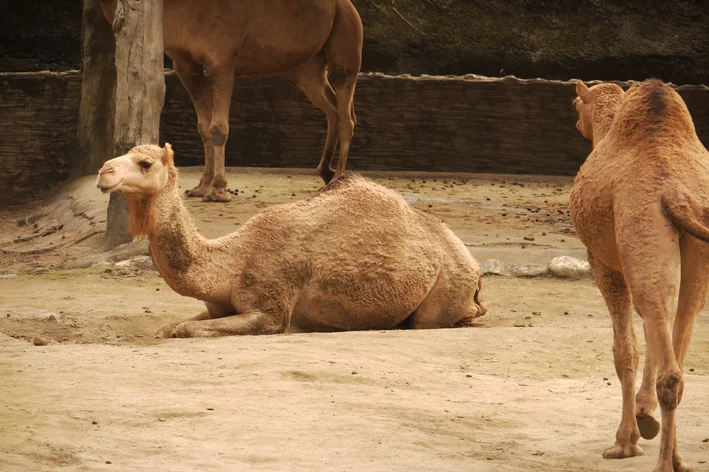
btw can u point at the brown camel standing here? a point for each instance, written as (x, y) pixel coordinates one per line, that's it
(212, 41)
(640, 204)
(355, 256)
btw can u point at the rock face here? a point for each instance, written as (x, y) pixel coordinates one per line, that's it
(555, 39)
(569, 267)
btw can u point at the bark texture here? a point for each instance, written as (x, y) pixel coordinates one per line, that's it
(140, 91)
(98, 92)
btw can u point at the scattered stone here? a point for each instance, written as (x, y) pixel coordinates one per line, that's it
(94, 422)
(705, 440)
(691, 370)
(492, 267)
(210, 409)
(529, 270)
(39, 341)
(354, 372)
(102, 263)
(51, 319)
(528, 238)
(7, 276)
(139, 262)
(569, 267)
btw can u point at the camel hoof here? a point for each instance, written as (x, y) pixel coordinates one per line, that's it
(198, 191)
(648, 426)
(326, 175)
(217, 195)
(167, 331)
(620, 451)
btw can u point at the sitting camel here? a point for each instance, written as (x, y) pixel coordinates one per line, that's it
(211, 41)
(639, 204)
(355, 256)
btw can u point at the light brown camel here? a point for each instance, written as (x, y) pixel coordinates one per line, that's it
(211, 41)
(355, 256)
(639, 204)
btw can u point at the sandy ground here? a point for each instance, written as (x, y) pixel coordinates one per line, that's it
(532, 388)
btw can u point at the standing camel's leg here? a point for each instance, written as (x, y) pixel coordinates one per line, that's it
(344, 57)
(646, 399)
(692, 296)
(625, 354)
(193, 79)
(311, 79)
(344, 82)
(652, 267)
(222, 84)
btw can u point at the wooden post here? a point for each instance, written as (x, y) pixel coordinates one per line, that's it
(98, 91)
(140, 91)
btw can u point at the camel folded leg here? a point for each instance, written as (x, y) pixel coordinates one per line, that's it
(251, 323)
(615, 292)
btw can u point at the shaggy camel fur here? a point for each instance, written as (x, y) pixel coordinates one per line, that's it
(639, 204)
(211, 41)
(355, 256)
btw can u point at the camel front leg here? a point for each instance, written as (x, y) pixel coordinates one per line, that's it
(251, 323)
(625, 354)
(167, 330)
(222, 84)
(192, 77)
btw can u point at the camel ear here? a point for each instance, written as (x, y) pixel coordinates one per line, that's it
(168, 156)
(582, 90)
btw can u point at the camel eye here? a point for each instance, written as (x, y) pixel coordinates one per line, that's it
(145, 164)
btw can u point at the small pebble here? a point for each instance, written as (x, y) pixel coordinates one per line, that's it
(210, 409)
(39, 341)
(157, 289)
(354, 372)
(691, 370)
(605, 378)
(253, 196)
(94, 422)
(705, 440)
(108, 462)
(292, 195)
(566, 312)
(430, 206)
(608, 383)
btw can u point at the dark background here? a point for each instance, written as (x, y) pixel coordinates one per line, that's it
(589, 39)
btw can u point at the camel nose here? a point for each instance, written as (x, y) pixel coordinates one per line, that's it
(106, 169)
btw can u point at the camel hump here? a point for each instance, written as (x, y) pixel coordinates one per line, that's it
(678, 207)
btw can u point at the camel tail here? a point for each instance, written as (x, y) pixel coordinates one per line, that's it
(678, 208)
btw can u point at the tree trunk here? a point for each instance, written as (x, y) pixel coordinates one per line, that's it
(140, 91)
(98, 90)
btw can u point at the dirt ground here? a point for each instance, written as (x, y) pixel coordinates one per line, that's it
(532, 388)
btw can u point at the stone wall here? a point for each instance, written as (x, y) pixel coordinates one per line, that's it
(455, 124)
(554, 39)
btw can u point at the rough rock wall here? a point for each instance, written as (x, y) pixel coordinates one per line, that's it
(457, 124)
(553, 39)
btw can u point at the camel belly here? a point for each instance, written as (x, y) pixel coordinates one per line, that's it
(592, 214)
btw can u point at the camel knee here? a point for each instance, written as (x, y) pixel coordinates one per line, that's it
(203, 130)
(219, 132)
(669, 390)
(345, 128)
(339, 74)
(626, 358)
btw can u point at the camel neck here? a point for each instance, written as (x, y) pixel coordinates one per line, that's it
(179, 251)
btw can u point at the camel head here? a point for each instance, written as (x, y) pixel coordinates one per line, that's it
(596, 107)
(144, 172)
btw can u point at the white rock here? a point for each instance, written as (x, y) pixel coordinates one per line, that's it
(492, 267)
(569, 267)
(529, 270)
(138, 262)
